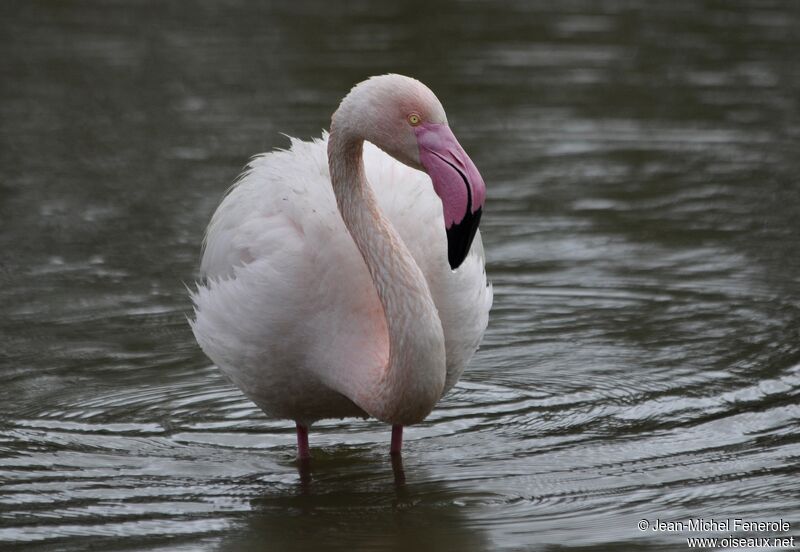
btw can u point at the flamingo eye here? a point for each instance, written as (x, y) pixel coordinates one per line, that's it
(414, 119)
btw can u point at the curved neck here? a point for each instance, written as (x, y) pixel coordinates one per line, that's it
(408, 387)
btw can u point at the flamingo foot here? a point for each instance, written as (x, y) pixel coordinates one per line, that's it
(303, 452)
(397, 440)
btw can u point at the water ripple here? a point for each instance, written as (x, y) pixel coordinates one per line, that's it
(641, 230)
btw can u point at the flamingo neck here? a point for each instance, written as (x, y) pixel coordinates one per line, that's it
(407, 388)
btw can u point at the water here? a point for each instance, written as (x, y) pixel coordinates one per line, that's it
(642, 232)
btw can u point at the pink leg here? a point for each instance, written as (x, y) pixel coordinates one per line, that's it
(397, 440)
(302, 442)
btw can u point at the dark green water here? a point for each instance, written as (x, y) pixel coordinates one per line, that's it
(642, 232)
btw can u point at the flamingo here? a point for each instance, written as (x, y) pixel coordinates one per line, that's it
(344, 277)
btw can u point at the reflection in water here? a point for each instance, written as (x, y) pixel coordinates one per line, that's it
(355, 503)
(398, 470)
(642, 359)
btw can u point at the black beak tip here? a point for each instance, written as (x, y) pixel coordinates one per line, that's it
(459, 238)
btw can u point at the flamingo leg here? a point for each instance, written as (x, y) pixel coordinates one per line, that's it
(303, 453)
(397, 440)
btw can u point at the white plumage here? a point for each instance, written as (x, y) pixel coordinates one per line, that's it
(289, 311)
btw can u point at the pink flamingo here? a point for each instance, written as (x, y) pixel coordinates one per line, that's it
(337, 283)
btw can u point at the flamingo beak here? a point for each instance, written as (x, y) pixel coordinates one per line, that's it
(458, 184)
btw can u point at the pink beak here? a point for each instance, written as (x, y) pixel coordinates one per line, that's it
(458, 184)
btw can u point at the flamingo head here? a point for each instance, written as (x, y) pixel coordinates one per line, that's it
(404, 118)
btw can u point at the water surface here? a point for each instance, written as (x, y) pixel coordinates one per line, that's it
(642, 232)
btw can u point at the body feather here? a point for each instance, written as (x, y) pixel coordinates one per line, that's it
(288, 309)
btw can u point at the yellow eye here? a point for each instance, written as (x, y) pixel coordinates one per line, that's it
(414, 119)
